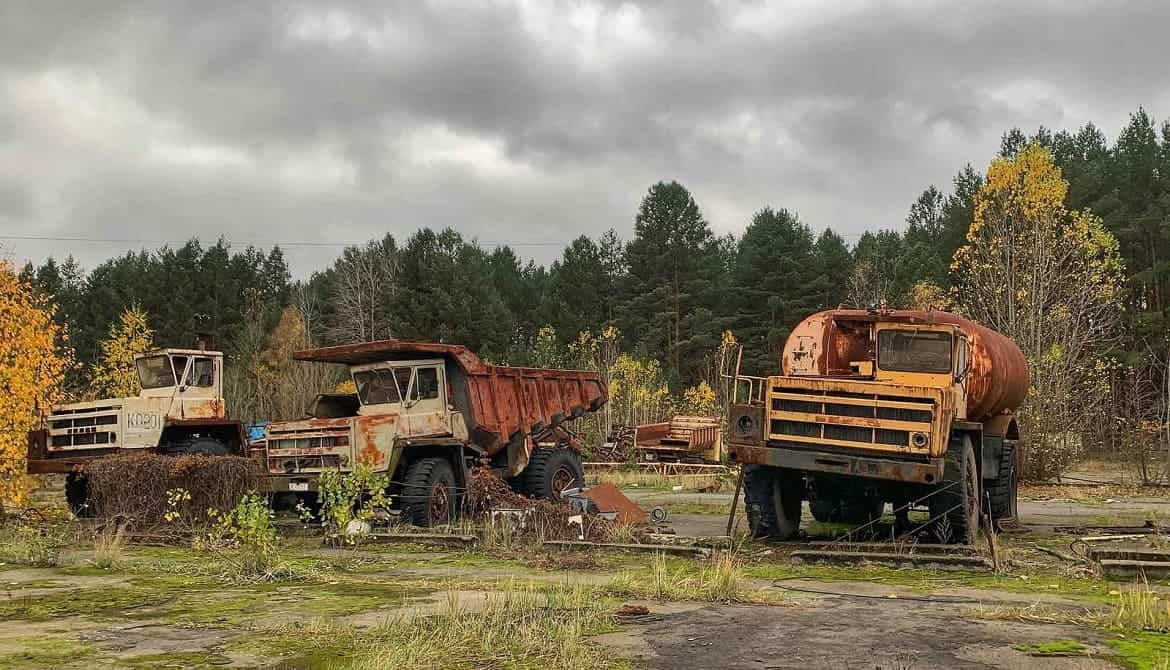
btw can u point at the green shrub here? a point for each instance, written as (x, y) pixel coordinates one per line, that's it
(347, 497)
(38, 545)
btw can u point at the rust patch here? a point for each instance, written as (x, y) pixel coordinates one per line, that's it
(608, 498)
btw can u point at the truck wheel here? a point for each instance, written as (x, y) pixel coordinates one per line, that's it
(428, 494)
(955, 507)
(551, 471)
(199, 446)
(77, 495)
(772, 497)
(1002, 489)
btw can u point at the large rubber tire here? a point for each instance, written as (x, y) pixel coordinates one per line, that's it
(955, 507)
(1002, 490)
(429, 497)
(551, 471)
(199, 446)
(772, 497)
(77, 495)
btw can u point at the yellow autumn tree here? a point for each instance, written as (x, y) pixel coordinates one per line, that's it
(699, 400)
(32, 368)
(638, 391)
(113, 375)
(927, 295)
(1050, 279)
(286, 386)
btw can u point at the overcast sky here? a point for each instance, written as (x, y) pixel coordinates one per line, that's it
(525, 122)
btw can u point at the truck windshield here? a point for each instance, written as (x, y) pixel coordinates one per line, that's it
(914, 351)
(155, 372)
(383, 385)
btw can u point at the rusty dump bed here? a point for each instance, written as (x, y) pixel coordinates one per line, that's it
(500, 404)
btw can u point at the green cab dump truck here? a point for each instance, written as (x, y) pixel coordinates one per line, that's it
(425, 414)
(875, 406)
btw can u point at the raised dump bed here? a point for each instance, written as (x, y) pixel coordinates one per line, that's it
(425, 413)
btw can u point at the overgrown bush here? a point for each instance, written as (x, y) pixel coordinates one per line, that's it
(133, 489)
(246, 540)
(34, 542)
(349, 500)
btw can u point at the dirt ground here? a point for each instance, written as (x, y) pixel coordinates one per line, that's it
(157, 608)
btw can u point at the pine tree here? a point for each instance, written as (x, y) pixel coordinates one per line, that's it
(773, 286)
(673, 270)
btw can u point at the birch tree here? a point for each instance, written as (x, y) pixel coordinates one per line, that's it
(1050, 279)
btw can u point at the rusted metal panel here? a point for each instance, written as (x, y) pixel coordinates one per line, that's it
(923, 472)
(609, 499)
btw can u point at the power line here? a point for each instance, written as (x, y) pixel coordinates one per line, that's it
(316, 243)
(288, 243)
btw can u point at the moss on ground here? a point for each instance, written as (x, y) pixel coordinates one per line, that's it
(47, 654)
(935, 580)
(1147, 650)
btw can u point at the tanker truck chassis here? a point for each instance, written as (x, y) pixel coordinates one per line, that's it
(425, 414)
(912, 408)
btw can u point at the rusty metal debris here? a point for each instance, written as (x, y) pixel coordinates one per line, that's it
(609, 499)
(701, 552)
(892, 558)
(683, 439)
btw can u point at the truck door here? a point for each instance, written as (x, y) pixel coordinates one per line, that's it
(198, 393)
(425, 408)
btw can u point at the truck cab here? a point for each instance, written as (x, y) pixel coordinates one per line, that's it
(394, 400)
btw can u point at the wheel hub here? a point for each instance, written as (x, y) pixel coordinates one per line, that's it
(440, 503)
(562, 480)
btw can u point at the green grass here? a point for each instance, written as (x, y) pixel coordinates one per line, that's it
(1139, 620)
(1145, 650)
(46, 654)
(923, 580)
(521, 626)
(720, 580)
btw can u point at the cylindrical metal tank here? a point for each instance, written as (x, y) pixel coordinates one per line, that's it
(825, 344)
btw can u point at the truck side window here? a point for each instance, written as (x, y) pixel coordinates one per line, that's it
(203, 373)
(427, 383)
(403, 377)
(180, 363)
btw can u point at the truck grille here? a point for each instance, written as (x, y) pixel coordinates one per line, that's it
(82, 428)
(836, 418)
(293, 450)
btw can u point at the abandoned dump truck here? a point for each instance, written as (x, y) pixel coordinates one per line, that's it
(426, 413)
(876, 406)
(179, 410)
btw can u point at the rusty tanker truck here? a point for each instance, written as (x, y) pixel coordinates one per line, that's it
(425, 414)
(875, 406)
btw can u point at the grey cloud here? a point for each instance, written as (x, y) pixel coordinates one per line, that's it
(848, 113)
(15, 202)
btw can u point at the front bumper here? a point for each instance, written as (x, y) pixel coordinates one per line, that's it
(918, 472)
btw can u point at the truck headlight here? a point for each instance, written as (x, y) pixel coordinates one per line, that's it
(746, 423)
(919, 439)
